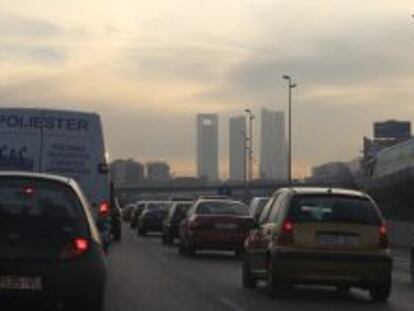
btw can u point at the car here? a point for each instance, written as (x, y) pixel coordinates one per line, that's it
(61, 142)
(171, 223)
(216, 225)
(50, 248)
(136, 213)
(256, 206)
(324, 236)
(152, 217)
(116, 220)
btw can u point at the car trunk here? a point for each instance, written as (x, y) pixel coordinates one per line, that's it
(336, 236)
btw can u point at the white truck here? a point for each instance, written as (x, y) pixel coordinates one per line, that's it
(66, 143)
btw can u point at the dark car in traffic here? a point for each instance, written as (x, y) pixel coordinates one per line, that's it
(215, 225)
(152, 216)
(320, 236)
(116, 220)
(171, 223)
(50, 248)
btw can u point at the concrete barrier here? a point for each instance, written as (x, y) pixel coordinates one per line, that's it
(401, 233)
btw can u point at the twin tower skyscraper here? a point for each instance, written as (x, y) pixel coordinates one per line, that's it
(273, 147)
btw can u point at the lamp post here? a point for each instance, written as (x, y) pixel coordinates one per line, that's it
(291, 85)
(246, 184)
(250, 139)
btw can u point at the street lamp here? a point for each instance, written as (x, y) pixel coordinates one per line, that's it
(251, 118)
(291, 85)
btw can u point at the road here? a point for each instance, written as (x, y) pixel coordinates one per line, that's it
(145, 275)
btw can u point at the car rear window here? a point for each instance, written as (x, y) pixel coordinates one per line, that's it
(222, 208)
(334, 208)
(40, 206)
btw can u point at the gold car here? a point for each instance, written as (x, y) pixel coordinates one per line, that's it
(321, 236)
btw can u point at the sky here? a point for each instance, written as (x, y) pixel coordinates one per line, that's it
(148, 67)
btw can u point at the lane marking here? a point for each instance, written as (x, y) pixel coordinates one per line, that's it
(231, 304)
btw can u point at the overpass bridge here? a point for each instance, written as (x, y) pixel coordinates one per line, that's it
(190, 190)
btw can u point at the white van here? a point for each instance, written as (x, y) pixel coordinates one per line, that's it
(66, 143)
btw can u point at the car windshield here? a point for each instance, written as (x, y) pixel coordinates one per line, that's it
(29, 204)
(334, 208)
(222, 208)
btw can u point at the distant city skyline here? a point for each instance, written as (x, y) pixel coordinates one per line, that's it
(147, 70)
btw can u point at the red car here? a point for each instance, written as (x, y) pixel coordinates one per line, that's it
(215, 224)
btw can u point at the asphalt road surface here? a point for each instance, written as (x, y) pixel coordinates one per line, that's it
(145, 275)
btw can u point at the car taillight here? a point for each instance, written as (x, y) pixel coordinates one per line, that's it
(383, 232)
(285, 237)
(75, 248)
(104, 209)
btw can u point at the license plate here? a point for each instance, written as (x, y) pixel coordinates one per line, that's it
(226, 226)
(338, 240)
(21, 283)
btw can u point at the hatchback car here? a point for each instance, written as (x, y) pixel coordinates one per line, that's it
(152, 216)
(215, 224)
(320, 236)
(171, 223)
(49, 246)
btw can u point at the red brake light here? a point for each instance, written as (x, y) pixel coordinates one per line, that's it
(75, 248)
(285, 237)
(383, 231)
(104, 209)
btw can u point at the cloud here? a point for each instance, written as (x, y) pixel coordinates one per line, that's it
(27, 27)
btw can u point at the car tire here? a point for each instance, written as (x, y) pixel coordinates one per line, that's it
(380, 292)
(248, 281)
(274, 285)
(190, 249)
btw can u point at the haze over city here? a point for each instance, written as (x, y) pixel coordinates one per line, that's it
(149, 68)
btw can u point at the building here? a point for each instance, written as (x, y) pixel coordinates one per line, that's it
(126, 172)
(237, 148)
(392, 129)
(207, 147)
(333, 174)
(158, 171)
(386, 134)
(273, 148)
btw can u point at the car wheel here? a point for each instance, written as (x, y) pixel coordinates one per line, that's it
(274, 285)
(248, 281)
(190, 249)
(380, 292)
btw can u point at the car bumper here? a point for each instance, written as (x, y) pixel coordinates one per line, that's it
(218, 241)
(61, 281)
(332, 268)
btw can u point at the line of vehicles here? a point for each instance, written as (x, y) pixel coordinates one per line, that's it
(298, 236)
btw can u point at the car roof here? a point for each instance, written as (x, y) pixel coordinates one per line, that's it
(327, 190)
(219, 200)
(62, 179)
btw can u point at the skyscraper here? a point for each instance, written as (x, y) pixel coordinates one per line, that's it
(207, 146)
(237, 152)
(273, 149)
